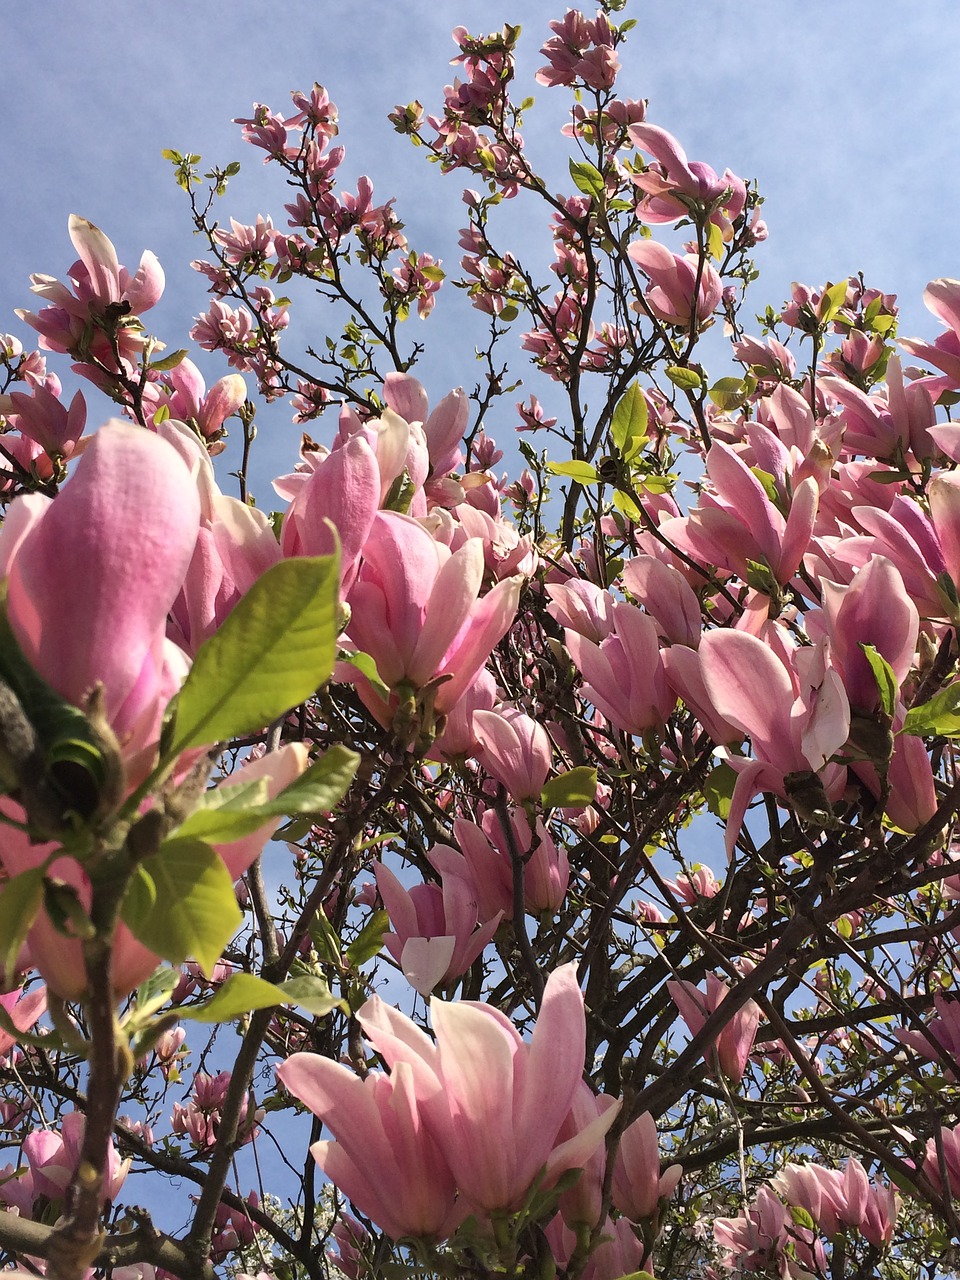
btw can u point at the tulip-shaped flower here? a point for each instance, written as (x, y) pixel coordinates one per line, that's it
(623, 674)
(103, 292)
(417, 610)
(383, 1156)
(678, 292)
(479, 1109)
(638, 1185)
(105, 561)
(515, 749)
(734, 1043)
(435, 937)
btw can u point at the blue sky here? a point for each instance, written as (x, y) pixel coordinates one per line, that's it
(846, 115)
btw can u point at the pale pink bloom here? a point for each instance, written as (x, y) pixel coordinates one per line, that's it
(235, 545)
(99, 285)
(620, 1252)
(876, 610)
(515, 749)
(337, 503)
(674, 294)
(184, 393)
(638, 1185)
(384, 1158)
(582, 606)
(105, 560)
(444, 427)
(666, 596)
(950, 1142)
(23, 1009)
(494, 1102)
(942, 297)
(546, 868)
(739, 523)
(623, 675)
(53, 1157)
(673, 184)
(435, 937)
(734, 1042)
(941, 1039)
(417, 610)
(42, 417)
(692, 888)
(791, 703)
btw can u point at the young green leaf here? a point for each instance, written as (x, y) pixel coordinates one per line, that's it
(941, 715)
(582, 472)
(628, 427)
(181, 903)
(20, 900)
(587, 178)
(224, 816)
(571, 790)
(369, 940)
(885, 677)
(244, 992)
(273, 651)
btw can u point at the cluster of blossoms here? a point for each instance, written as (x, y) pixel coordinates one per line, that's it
(538, 719)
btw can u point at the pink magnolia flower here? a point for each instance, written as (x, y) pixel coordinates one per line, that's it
(235, 545)
(337, 502)
(638, 1185)
(791, 703)
(673, 184)
(105, 560)
(417, 610)
(623, 674)
(383, 1157)
(515, 749)
(734, 1043)
(52, 1158)
(183, 392)
(435, 936)
(23, 1008)
(494, 1103)
(674, 294)
(102, 292)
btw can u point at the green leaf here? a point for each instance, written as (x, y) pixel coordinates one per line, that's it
(801, 1217)
(628, 427)
(581, 472)
(940, 716)
(156, 990)
(274, 650)
(714, 241)
(180, 903)
(587, 178)
(835, 297)
(508, 313)
(325, 941)
(313, 994)
(169, 362)
(369, 941)
(769, 484)
(885, 677)
(367, 667)
(718, 790)
(571, 790)
(244, 992)
(685, 379)
(20, 900)
(729, 393)
(233, 810)
(626, 506)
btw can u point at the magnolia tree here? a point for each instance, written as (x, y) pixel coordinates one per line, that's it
(609, 924)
